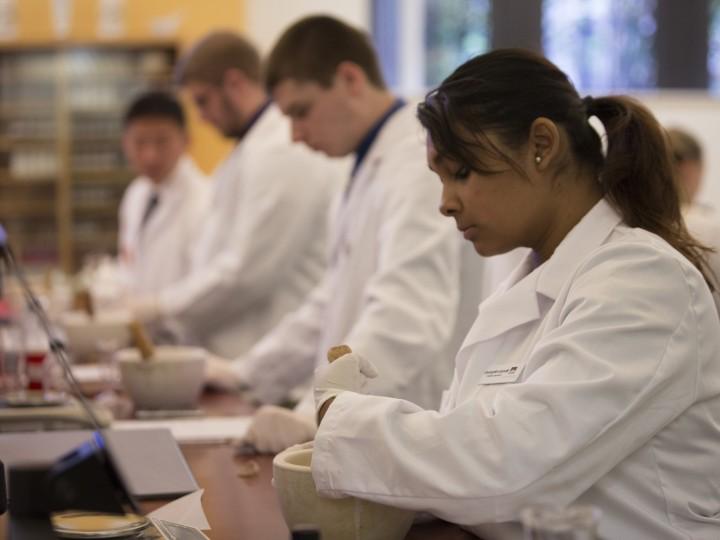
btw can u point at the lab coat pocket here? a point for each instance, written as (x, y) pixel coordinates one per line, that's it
(703, 514)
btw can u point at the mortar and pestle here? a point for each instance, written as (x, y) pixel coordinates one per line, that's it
(165, 377)
(348, 518)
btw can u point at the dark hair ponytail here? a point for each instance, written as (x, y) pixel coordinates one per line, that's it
(504, 91)
(638, 177)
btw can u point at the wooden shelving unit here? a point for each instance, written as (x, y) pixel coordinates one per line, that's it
(62, 172)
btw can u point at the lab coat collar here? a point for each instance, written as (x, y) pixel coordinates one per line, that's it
(393, 132)
(252, 120)
(182, 168)
(264, 129)
(371, 135)
(590, 232)
(168, 192)
(516, 301)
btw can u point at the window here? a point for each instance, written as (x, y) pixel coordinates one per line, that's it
(714, 46)
(420, 42)
(460, 29)
(602, 44)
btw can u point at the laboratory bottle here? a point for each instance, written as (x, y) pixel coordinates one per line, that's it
(37, 359)
(13, 376)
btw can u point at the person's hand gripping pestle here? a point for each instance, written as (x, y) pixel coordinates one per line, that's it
(346, 372)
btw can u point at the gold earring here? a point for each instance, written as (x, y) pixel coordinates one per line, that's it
(538, 159)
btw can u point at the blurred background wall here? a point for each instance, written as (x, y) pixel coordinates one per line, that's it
(665, 52)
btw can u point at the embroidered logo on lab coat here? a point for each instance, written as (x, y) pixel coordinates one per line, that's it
(500, 375)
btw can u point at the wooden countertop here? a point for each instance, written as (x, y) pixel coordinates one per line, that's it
(238, 507)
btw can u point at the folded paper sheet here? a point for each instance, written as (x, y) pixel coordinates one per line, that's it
(186, 511)
(209, 430)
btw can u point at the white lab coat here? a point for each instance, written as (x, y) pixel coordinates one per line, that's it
(391, 289)
(497, 270)
(607, 392)
(158, 253)
(262, 248)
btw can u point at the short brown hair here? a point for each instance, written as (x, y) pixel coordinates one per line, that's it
(209, 59)
(312, 48)
(684, 146)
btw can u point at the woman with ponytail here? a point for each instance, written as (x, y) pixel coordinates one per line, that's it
(593, 374)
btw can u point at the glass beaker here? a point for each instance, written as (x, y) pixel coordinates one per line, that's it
(36, 355)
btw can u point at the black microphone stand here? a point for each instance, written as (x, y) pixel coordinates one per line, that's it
(83, 479)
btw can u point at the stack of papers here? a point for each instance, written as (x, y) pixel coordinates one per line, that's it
(186, 510)
(208, 430)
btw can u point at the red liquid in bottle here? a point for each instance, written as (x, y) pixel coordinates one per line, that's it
(35, 365)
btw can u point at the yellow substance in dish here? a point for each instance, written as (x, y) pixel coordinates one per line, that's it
(96, 523)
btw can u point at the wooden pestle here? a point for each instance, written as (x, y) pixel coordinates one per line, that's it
(142, 340)
(83, 302)
(336, 352)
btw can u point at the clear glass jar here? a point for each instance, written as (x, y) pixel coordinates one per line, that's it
(37, 363)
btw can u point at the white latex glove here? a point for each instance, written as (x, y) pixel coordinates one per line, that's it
(350, 372)
(273, 429)
(144, 308)
(220, 374)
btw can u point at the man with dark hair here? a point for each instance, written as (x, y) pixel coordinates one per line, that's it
(161, 208)
(296, 56)
(391, 291)
(262, 246)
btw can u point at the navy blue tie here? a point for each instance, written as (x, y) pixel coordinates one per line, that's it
(150, 208)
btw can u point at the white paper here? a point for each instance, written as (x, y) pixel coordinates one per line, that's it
(8, 19)
(218, 429)
(110, 18)
(62, 17)
(186, 511)
(167, 25)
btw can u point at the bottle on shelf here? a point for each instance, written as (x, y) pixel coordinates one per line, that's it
(37, 359)
(13, 379)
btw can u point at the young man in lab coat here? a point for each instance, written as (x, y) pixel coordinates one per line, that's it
(161, 208)
(261, 248)
(392, 287)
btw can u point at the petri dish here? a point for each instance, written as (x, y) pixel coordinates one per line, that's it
(97, 525)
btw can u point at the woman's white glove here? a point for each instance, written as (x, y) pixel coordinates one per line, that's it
(350, 373)
(273, 429)
(222, 374)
